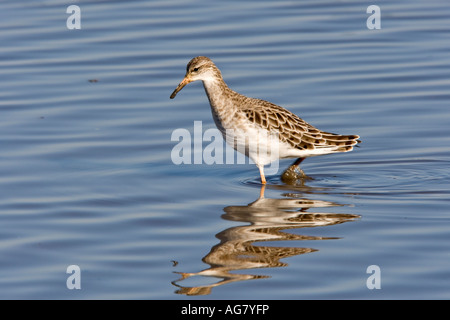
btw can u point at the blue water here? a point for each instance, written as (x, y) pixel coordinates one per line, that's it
(87, 179)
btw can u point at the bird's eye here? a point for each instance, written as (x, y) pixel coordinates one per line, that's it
(195, 69)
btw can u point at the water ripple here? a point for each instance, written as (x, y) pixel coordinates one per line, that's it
(85, 136)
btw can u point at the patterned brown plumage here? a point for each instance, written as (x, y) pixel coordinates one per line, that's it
(294, 130)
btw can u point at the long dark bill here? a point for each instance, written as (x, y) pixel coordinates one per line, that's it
(180, 86)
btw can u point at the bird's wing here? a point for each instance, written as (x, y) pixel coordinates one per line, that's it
(294, 130)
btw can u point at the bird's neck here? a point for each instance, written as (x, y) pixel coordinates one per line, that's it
(221, 100)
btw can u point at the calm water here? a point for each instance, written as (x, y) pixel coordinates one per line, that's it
(87, 179)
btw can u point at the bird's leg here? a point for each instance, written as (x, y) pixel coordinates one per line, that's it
(261, 172)
(295, 165)
(261, 192)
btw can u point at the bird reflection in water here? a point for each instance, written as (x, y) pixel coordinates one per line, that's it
(240, 247)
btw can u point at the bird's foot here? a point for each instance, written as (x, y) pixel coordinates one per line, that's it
(294, 173)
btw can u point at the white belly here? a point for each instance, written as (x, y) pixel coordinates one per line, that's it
(261, 146)
(264, 147)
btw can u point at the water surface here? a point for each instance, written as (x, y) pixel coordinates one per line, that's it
(87, 179)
